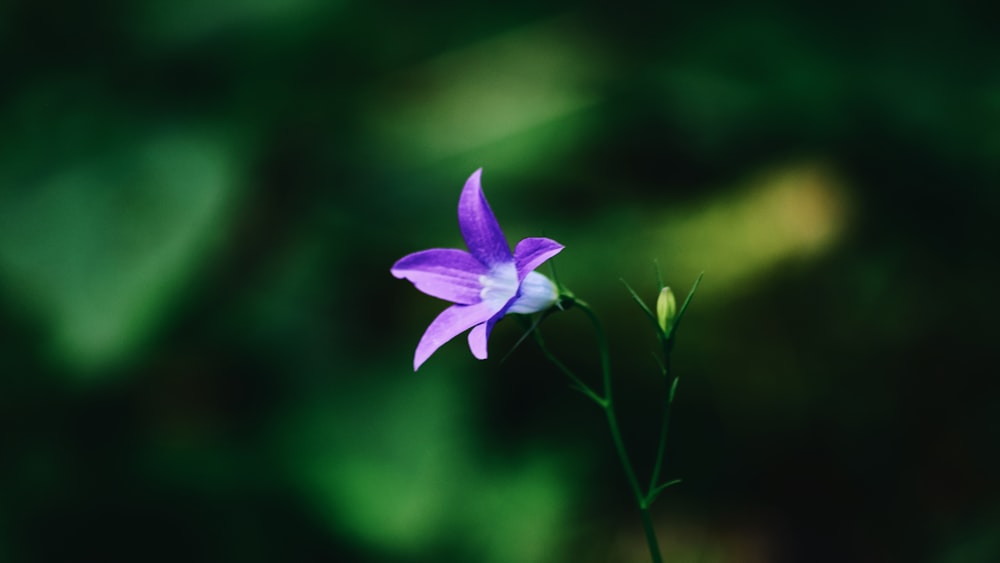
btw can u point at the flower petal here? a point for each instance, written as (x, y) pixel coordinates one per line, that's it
(445, 273)
(479, 226)
(532, 252)
(480, 334)
(450, 323)
(477, 340)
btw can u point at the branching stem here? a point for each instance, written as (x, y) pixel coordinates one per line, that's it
(606, 402)
(666, 334)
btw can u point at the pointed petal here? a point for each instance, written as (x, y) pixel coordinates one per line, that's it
(480, 335)
(532, 252)
(479, 226)
(450, 323)
(445, 273)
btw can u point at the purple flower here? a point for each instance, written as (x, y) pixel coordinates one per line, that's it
(485, 283)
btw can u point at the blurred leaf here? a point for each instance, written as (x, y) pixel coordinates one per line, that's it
(507, 87)
(397, 467)
(98, 248)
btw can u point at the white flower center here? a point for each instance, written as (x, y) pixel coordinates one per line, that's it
(535, 293)
(499, 286)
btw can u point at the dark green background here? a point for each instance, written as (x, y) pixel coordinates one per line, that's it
(204, 357)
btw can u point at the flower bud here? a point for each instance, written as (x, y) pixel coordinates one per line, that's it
(666, 309)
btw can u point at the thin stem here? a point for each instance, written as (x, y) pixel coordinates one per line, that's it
(578, 383)
(668, 401)
(616, 436)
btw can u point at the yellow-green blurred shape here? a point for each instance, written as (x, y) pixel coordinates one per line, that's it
(685, 538)
(792, 212)
(741, 233)
(398, 468)
(516, 93)
(97, 251)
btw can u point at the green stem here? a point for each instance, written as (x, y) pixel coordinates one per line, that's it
(578, 383)
(668, 401)
(616, 436)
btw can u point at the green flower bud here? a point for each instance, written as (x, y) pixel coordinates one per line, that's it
(666, 309)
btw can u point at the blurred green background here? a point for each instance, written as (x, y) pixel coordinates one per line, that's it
(204, 357)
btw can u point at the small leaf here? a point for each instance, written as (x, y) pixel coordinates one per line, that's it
(687, 301)
(656, 492)
(642, 305)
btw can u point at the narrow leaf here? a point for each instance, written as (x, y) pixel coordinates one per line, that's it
(656, 492)
(687, 301)
(642, 305)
